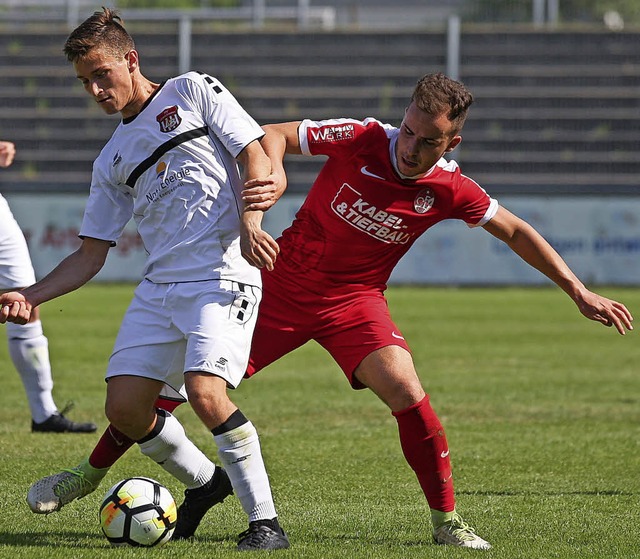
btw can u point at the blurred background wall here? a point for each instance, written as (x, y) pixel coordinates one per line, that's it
(554, 125)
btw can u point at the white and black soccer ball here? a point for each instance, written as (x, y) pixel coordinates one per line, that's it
(139, 512)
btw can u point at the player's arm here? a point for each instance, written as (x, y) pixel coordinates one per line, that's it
(7, 153)
(278, 139)
(527, 243)
(73, 272)
(258, 247)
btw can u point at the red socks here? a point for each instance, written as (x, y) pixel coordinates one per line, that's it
(111, 446)
(425, 447)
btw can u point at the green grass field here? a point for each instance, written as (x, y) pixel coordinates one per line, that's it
(541, 407)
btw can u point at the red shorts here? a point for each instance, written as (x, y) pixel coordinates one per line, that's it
(349, 326)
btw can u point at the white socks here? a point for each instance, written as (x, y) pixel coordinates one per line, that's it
(172, 450)
(29, 351)
(240, 454)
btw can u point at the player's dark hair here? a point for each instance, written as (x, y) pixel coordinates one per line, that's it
(436, 94)
(102, 30)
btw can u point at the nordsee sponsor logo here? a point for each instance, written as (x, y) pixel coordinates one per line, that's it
(169, 181)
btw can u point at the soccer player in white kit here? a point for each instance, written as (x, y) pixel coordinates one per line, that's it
(28, 346)
(171, 164)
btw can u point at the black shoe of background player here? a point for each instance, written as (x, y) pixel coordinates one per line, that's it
(198, 501)
(58, 423)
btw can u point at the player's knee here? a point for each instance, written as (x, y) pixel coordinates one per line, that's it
(399, 392)
(206, 390)
(405, 397)
(130, 420)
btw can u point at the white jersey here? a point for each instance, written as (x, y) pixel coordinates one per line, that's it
(172, 167)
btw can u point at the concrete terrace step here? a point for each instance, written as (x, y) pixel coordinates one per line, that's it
(553, 111)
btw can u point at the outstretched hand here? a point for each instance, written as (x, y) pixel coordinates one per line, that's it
(606, 311)
(14, 307)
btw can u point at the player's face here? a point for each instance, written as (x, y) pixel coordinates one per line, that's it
(107, 78)
(423, 139)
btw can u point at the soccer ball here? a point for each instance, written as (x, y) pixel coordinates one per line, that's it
(139, 512)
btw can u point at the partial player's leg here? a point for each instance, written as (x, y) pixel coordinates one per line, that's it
(240, 453)
(218, 322)
(206, 484)
(129, 408)
(390, 373)
(29, 352)
(28, 346)
(51, 493)
(167, 444)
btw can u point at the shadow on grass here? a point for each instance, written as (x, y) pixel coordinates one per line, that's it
(511, 493)
(51, 539)
(82, 539)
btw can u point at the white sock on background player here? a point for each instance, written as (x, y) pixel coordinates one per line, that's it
(29, 351)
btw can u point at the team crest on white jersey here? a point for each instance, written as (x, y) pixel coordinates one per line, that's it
(169, 119)
(424, 201)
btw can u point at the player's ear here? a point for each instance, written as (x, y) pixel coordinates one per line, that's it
(133, 60)
(453, 143)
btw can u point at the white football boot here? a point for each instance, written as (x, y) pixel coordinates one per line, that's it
(51, 493)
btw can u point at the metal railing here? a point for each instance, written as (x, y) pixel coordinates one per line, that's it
(257, 13)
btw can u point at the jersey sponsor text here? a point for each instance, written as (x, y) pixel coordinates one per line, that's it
(168, 183)
(380, 224)
(333, 133)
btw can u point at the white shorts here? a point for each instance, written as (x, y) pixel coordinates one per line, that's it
(173, 328)
(16, 269)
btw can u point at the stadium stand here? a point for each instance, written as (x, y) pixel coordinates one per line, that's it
(556, 112)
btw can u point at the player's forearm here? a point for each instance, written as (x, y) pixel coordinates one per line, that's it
(527, 243)
(255, 162)
(280, 139)
(73, 272)
(252, 220)
(275, 145)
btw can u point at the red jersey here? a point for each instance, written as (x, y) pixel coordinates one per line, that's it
(360, 216)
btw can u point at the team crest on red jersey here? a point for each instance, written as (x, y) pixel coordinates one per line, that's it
(423, 202)
(169, 119)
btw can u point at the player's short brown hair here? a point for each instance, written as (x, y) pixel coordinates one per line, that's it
(102, 30)
(436, 94)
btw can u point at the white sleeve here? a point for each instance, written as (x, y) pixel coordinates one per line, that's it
(225, 117)
(108, 209)
(492, 210)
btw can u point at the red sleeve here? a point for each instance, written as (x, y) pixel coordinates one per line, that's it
(471, 202)
(336, 137)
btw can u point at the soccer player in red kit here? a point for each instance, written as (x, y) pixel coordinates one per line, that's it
(379, 190)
